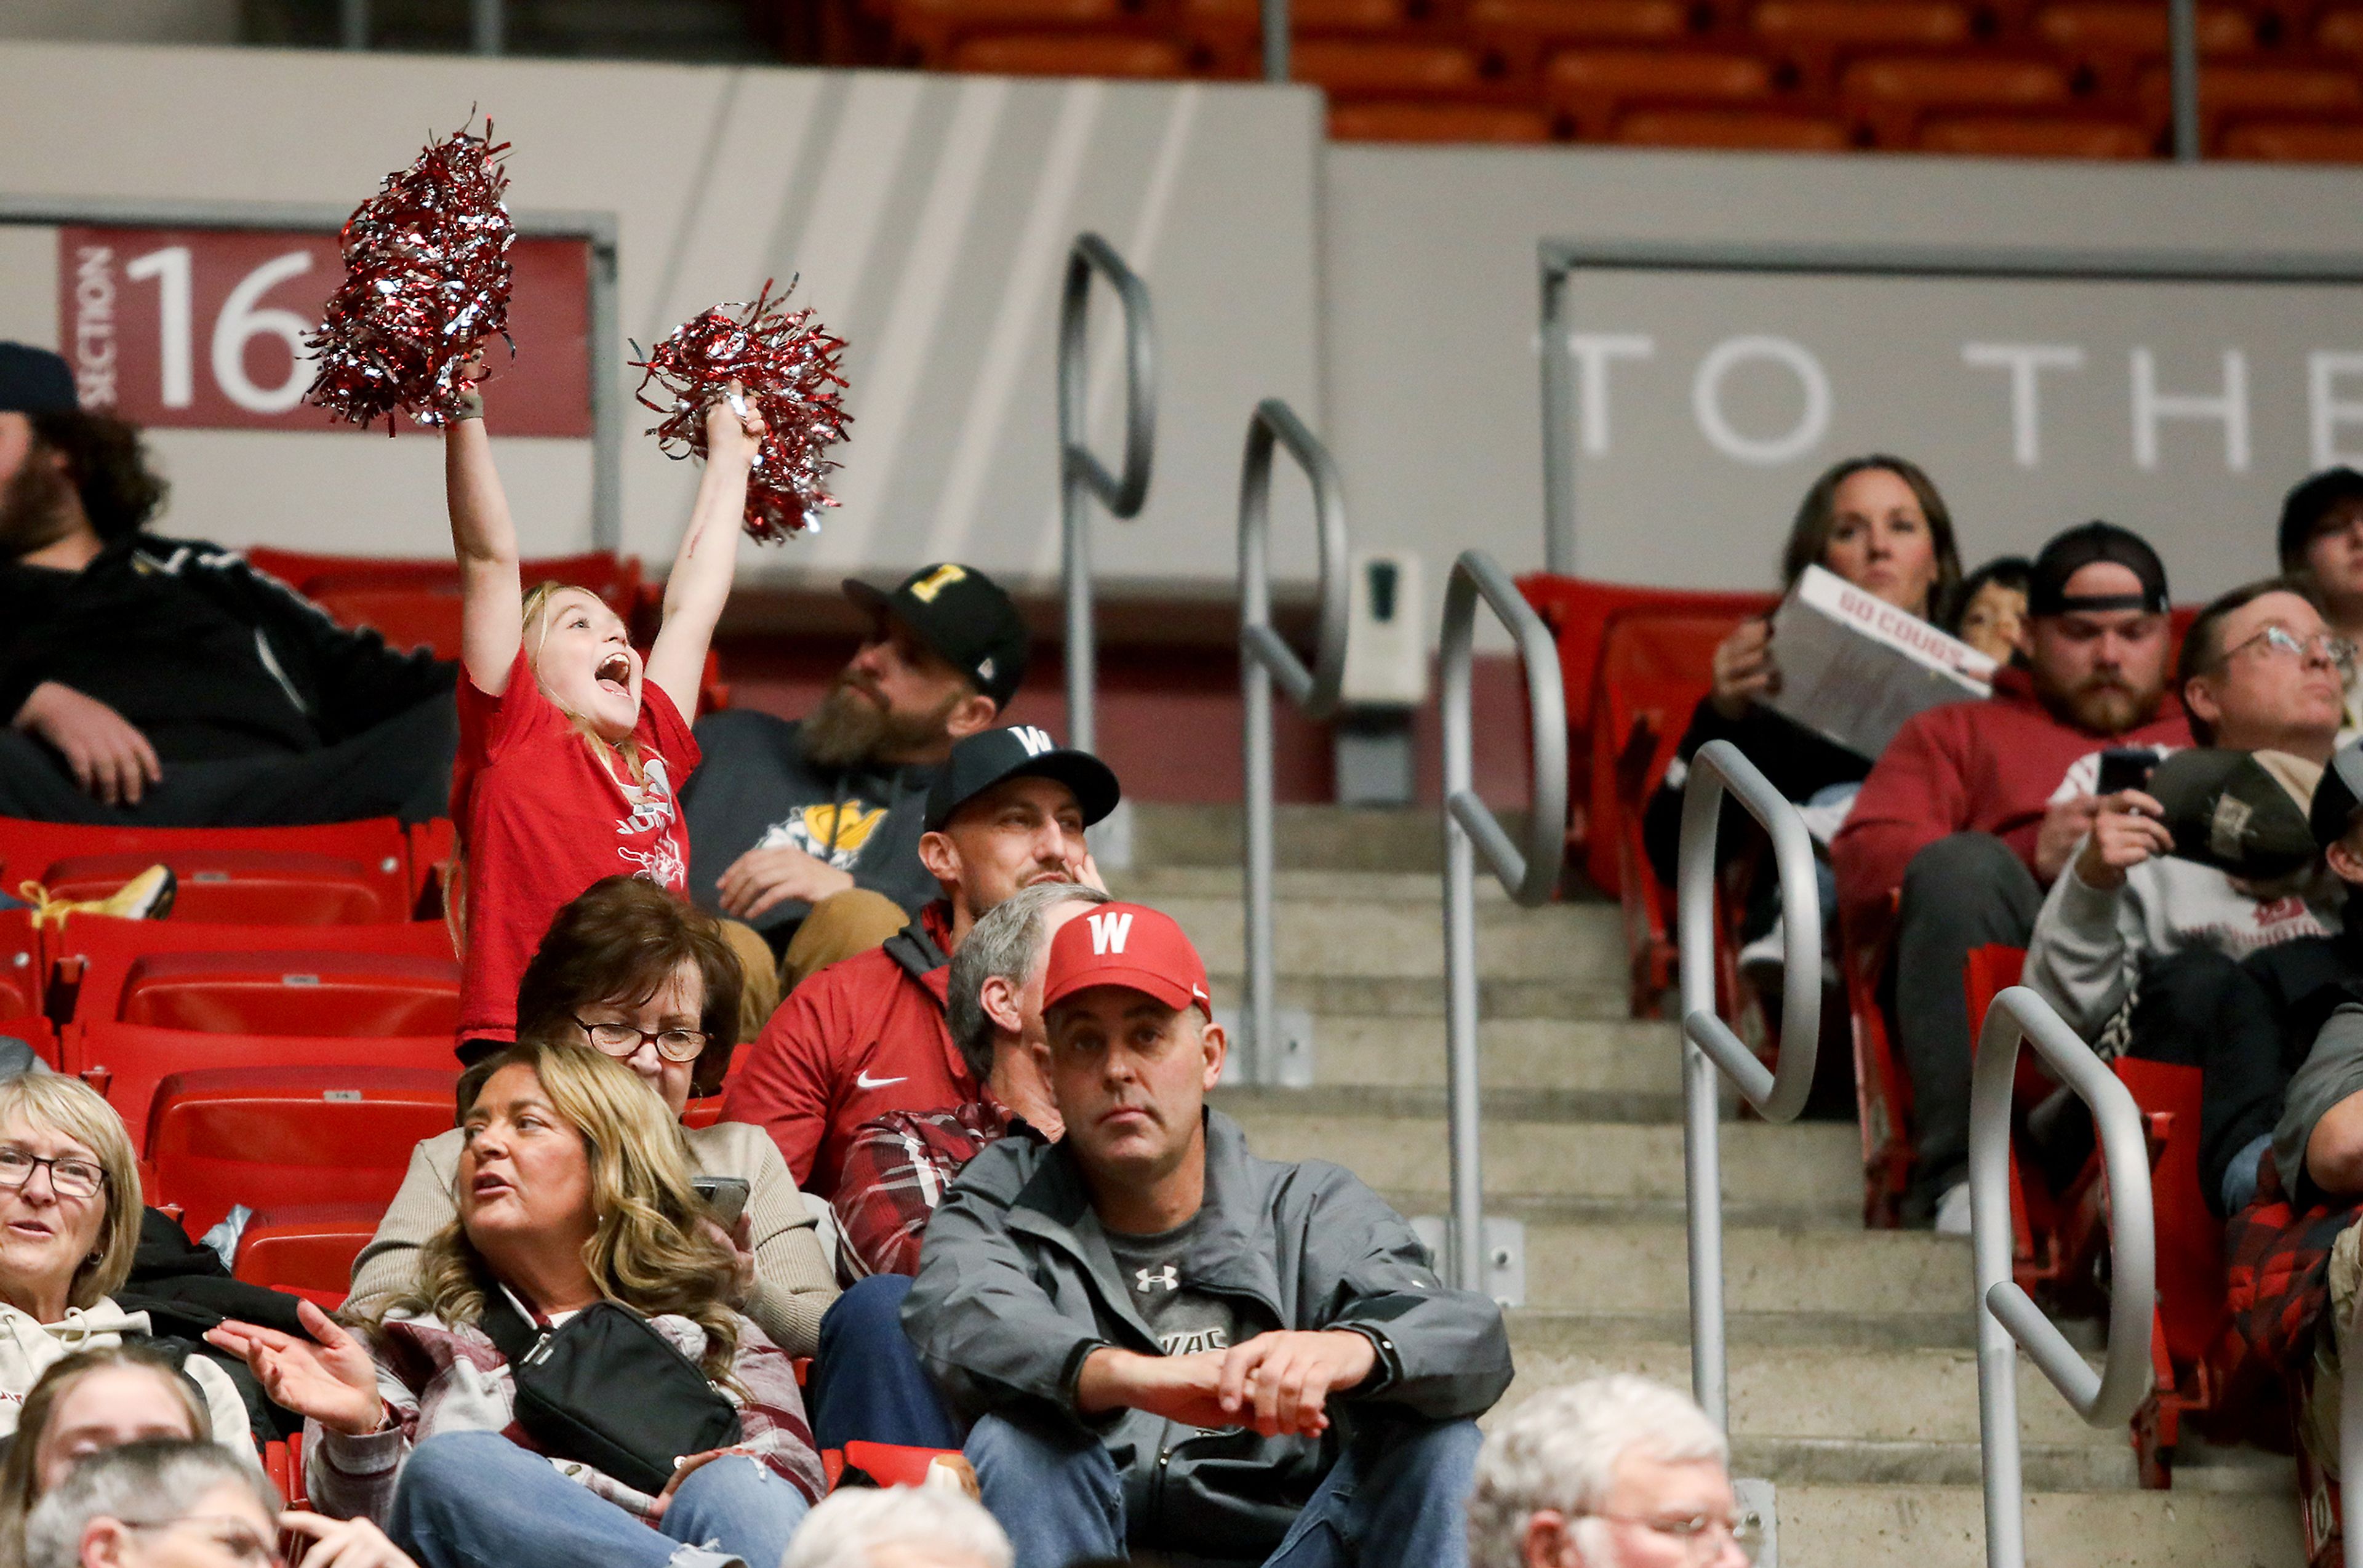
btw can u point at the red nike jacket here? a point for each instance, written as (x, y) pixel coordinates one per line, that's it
(862, 1038)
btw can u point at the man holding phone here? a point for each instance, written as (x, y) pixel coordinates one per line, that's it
(1977, 807)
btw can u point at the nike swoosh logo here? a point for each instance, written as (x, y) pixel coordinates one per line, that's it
(864, 1081)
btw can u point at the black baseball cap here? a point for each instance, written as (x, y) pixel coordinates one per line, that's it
(2242, 812)
(963, 616)
(2085, 545)
(35, 381)
(990, 756)
(2337, 796)
(2307, 504)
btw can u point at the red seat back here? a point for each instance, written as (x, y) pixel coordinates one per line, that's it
(126, 1062)
(22, 968)
(234, 979)
(1654, 663)
(894, 1464)
(2191, 1283)
(306, 1247)
(259, 1135)
(338, 871)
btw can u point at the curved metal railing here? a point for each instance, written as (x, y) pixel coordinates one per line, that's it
(1529, 873)
(2007, 1318)
(1718, 771)
(1081, 474)
(1264, 658)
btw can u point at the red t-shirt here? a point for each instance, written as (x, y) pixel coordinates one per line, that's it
(542, 815)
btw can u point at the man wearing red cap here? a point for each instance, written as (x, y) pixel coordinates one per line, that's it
(1166, 1340)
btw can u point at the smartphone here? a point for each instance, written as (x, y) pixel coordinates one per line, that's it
(726, 1195)
(2125, 767)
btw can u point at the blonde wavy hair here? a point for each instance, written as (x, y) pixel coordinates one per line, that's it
(52, 1102)
(647, 1250)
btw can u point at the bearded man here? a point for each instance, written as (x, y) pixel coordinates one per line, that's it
(808, 832)
(1977, 807)
(165, 683)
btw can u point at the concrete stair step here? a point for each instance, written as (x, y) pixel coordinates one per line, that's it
(1411, 889)
(1563, 1331)
(1594, 993)
(1808, 1166)
(1345, 938)
(1599, 1266)
(1612, 1058)
(1324, 838)
(1944, 1527)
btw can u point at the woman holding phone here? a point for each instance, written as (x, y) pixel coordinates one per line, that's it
(630, 970)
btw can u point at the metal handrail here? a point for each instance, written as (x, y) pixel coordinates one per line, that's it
(1470, 828)
(1265, 658)
(1080, 473)
(1721, 770)
(2007, 1318)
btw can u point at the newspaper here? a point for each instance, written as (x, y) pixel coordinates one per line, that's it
(1852, 667)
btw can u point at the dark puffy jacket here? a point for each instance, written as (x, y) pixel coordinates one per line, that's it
(1016, 1286)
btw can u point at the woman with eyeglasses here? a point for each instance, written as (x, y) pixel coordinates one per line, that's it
(170, 1503)
(566, 1373)
(630, 970)
(70, 1207)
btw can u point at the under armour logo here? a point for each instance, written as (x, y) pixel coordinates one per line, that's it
(1167, 1278)
(1035, 740)
(1109, 932)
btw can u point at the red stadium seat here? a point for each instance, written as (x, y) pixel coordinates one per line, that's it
(311, 980)
(1517, 32)
(126, 1062)
(217, 1136)
(2011, 136)
(306, 1247)
(1589, 87)
(1386, 69)
(1888, 97)
(933, 25)
(2113, 39)
(336, 872)
(1763, 130)
(615, 579)
(1068, 54)
(1226, 36)
(1389, 120)
(22, 971)
(2259, 91)
(2340, 31)
(893, 1465)
(1813, 35)
(2295, 141)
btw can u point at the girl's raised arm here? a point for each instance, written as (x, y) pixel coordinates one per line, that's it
(491, 617)
(700, 583)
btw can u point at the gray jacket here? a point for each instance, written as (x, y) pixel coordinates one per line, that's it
(1016, 1286)
(2332, 1069)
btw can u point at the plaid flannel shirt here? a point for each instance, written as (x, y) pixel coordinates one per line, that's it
(897, 1168)
(2277, 1275)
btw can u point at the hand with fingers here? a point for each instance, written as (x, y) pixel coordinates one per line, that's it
(1280, 1382)
(329, 1377)
(740, 1240)
(733, 429)
(2126, 830)
(341, 1543)
(687, 1468)
(1744, 669)
(106, 753)
(759, 880)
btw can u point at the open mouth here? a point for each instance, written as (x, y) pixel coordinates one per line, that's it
(32, 1228)
(615, 670)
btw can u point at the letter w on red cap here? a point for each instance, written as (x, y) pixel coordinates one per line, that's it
(1108, 932)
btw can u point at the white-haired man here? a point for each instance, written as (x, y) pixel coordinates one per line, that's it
(1615, 1473)
(898, 1527)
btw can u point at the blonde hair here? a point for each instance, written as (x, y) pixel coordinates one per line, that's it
(647, 1250)
(52, 1102)
(20, 1475)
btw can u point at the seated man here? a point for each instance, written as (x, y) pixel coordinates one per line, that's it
(2212, 861)
(165, 683)
(899, 1165)
(1977, 807)
(1165, 1339)
(867, 1036)
(2322, 542)
(1617, 1472)
(786, 816)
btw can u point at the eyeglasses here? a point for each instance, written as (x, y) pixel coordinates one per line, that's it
(622, 1040)
(2336, 649)
(237, 1539)
(69, 1177)
(1701, 1535)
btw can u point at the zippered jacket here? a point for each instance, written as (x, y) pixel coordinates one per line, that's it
(1017, 1286)
(207, 657)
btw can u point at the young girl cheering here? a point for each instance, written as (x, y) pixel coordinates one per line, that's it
(571, 751)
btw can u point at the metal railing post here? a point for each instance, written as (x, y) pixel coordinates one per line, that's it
(1081, 474)
(352, 24)
(487, 26)
(1528, 874)
(1721, 769)
(2007, 1318)
(2183, 47)
(1275, 41)
(1264, 658)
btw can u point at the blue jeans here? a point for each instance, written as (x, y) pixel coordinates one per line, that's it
(1397, 1498)
(477, 1500)
(866, 1383)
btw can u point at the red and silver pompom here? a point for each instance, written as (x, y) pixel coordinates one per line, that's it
(426, 280)
(786, 366)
